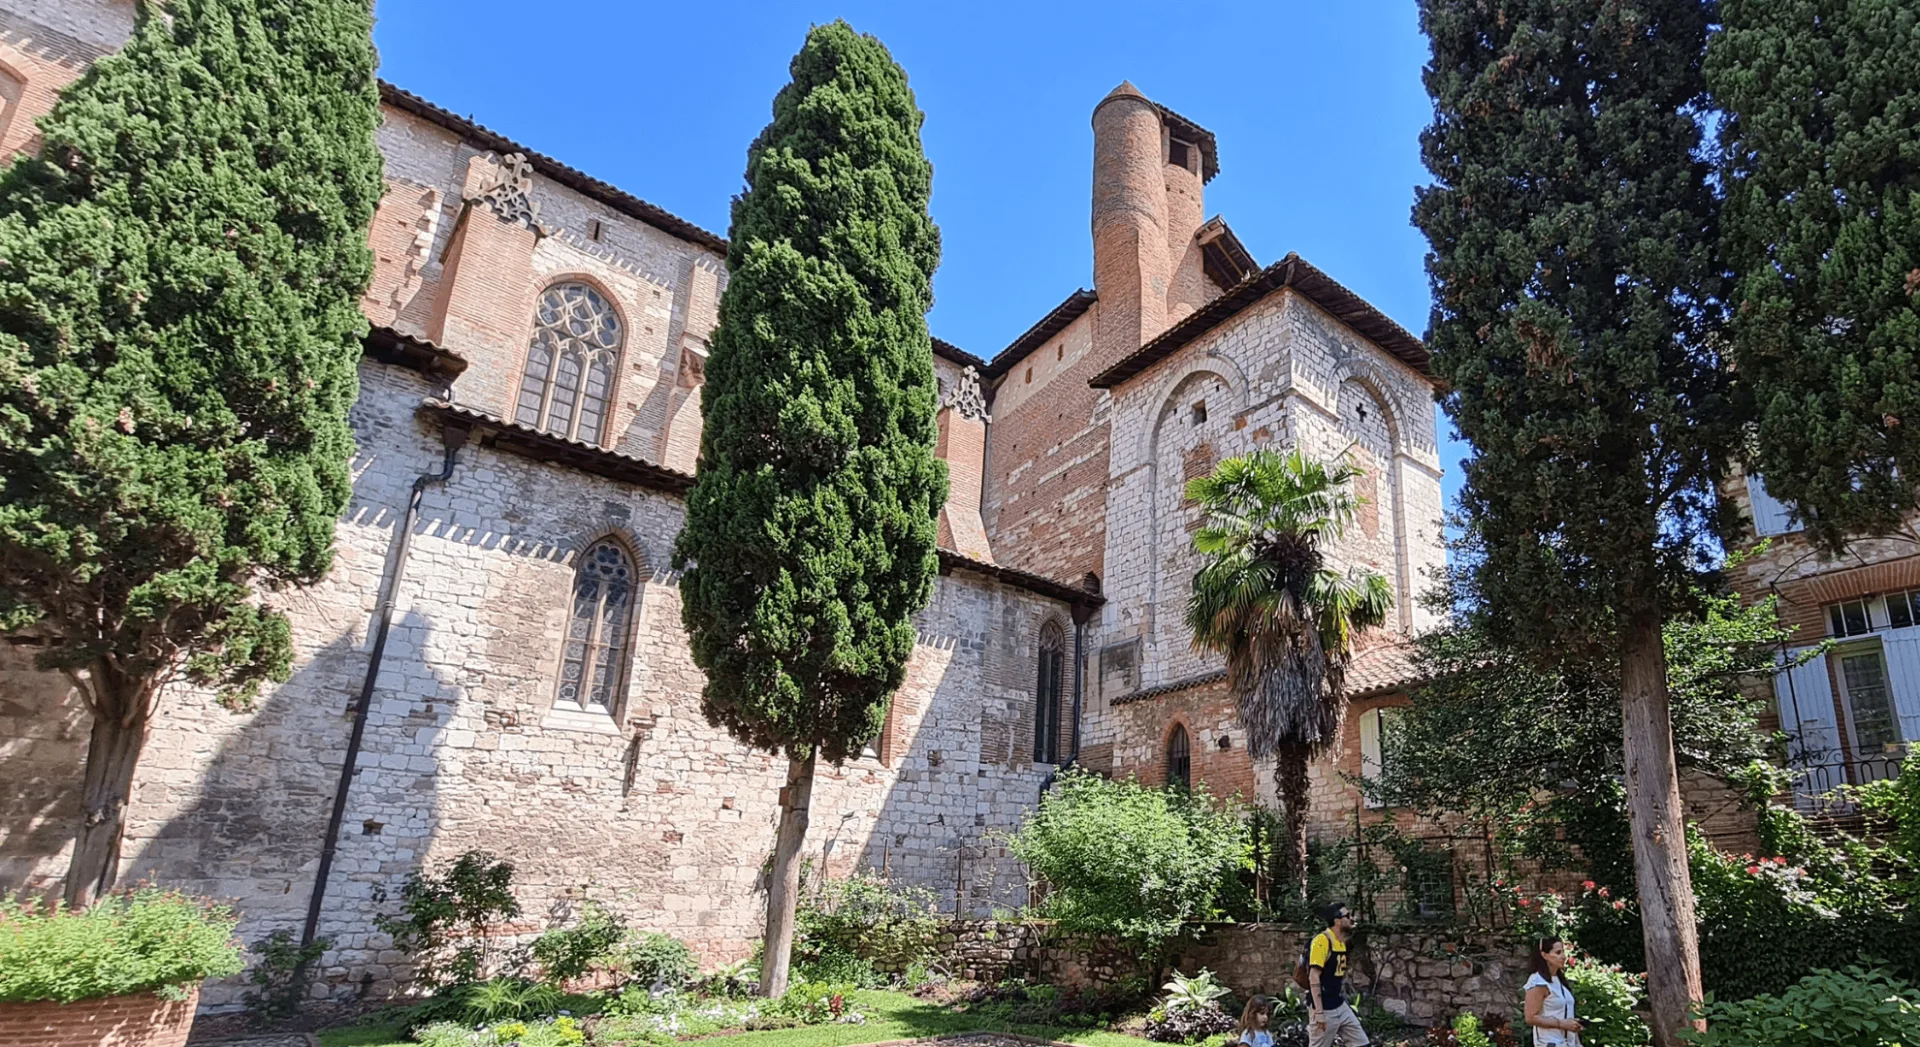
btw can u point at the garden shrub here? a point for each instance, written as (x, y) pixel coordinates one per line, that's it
(446, 922)
(567, 954)
(1837, 903)
(1190, 1010)
(1850, 1008)
(808, 1003)
(1467, 1032)
(1135, 863)
(861, 928)
(1892, 805)
(145, 940)
(497, 999)
(277, 986)
(557, 1032)
(731, 980)
(660, 959)
(1605, 997)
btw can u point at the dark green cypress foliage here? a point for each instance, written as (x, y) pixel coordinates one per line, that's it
(1574, 281)
(180, 273)
(1821, 131)
(809, 541)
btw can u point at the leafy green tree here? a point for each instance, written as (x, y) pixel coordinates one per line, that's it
(1575, 291)
(1265, 598)
(1535, 752)
(179, 332)
(809, 541)
(1820, 131)
(1125, 861)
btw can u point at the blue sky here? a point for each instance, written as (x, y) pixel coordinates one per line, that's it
(1317, 107)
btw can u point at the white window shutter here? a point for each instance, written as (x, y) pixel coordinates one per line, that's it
(1805, 696)
(1770, 515)
(1370, 749)
(1902, 648)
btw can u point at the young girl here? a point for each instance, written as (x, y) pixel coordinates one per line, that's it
(1253, 1022)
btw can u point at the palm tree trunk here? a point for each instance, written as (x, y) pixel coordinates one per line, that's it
(1290, 779)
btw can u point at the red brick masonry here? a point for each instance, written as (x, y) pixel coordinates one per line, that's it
(142, 1020)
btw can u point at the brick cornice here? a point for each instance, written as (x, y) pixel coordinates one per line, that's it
(404, 350)
(579, 181)
(1057, 319)
(1802, 600)
(1292, 272)
(1185, 683)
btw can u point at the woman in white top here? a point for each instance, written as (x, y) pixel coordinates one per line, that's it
(1549, 1004)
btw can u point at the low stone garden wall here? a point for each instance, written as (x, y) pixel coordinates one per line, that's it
(1423, 974)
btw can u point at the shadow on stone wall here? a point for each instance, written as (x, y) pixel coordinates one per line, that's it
(239, 809)
(953, 781)
(43, 747)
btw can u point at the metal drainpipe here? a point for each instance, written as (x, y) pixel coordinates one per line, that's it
(454, 439)
(1080, 616)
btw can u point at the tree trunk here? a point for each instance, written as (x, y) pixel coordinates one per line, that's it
(113, 751)
(1290, 779)
(783, 882)
(1659, 832)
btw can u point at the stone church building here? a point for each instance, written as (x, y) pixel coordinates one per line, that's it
(528, 422)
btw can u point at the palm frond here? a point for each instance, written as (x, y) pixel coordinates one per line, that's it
(1264, 600)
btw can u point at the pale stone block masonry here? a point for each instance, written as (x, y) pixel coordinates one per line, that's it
(1069, 454)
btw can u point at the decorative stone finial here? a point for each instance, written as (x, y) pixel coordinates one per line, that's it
(510, 196)
(965, 397)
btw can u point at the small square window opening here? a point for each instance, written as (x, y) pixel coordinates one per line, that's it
(1177, 152)
(1850, 618)
(593, 229)
(1199, 412)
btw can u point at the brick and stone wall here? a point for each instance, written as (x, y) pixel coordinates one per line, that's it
(652, 810)
(141, 1020)
(1424, 975)
(1281, 374)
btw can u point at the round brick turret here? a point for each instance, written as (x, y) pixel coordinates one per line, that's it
(1130, 264)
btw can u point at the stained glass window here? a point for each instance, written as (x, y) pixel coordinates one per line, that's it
(1046, 711)
(592, 668)
(570, 364)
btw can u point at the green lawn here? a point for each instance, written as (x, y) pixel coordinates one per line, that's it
(890, 1016)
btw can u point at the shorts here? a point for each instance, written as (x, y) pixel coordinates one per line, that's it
(1342, 1029)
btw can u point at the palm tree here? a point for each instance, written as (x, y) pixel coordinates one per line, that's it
(1265, 598)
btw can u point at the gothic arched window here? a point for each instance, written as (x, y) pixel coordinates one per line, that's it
(1179, 758)
(593, 663)
(571, 363)
(1046, 698)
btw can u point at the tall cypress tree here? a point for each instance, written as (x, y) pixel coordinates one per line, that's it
(1574, 281)
(1821, 128)
(809, 541)
(180, 272)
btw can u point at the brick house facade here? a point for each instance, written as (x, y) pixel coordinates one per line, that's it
(1851, 714)
(546, 333)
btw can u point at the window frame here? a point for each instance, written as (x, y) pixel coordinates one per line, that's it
(1178, 753)
(1845, 695)
(622, 645)
(1050, 673)
(1373, 746)
(560, 349)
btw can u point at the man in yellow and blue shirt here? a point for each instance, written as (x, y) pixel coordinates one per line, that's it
(1332, 1022)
